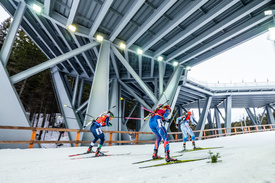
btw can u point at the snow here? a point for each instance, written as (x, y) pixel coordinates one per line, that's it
(245, 158)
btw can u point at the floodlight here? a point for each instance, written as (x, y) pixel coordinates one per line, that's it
(175, 63)
(272, 33)
(36, 8)
(99, 38)
(188, 68)
(268, 12)
(72, 28)
(160, 58)
(122, 45)
(139, 51)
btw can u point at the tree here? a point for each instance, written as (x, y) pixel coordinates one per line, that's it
(36, 93)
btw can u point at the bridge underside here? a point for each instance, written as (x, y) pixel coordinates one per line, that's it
(186, 32)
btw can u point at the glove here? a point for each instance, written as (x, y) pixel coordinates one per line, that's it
(177, 127)
(147, 117)
(84, 126)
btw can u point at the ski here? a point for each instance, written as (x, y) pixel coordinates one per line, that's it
(174, 162)
(85, 153)
(197, 149)
(148, 160)
(102, 155)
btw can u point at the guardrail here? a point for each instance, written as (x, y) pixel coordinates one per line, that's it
(206, 135)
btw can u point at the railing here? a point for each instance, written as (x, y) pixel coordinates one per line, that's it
(234, 131)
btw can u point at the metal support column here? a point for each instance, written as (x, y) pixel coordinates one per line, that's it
(64, 96)
(99, 95)
(75, 90)
(201, 122)
(141, 122)
(80, 93)
(269, 113)
(118, 124)
(160, 78)
(227, 123)
(7, 46)
(12, 113)
(251, 116)
(210, 122)
(180, 136)
(218, 121)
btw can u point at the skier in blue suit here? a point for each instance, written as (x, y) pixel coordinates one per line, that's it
(156, 124)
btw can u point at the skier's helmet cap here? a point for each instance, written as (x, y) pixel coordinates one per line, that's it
(110, 114)
(167, 107)
(189, 112)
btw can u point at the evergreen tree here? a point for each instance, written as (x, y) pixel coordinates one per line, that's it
(36, 92)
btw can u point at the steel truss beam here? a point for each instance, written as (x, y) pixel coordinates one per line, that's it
(134, 74)
(269, 114)
(202, 120)
(50, 63)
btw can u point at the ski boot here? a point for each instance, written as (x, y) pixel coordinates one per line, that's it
(89, 150)
(98, 153)
(184, 146)
(155, 154)
(167, 157)
(194, 145)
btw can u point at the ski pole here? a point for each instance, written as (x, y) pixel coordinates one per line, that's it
(158, 107)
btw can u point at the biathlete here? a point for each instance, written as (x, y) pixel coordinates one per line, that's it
(156, 124)
(101, 121)
(183, 121)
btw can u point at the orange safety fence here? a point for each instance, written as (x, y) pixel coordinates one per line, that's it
(213, 134)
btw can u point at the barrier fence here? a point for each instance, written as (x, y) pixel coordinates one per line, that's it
(208, 133)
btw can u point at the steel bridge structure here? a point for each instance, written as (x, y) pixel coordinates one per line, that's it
(162, 39)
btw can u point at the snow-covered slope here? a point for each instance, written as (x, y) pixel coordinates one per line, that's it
(245, 158)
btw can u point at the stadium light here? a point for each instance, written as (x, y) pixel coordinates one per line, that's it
(99, 38)
(160, 58)
(72, 28)
(122, 46)
(268, 12)
(139, 51)
(36, 8)
(175, 63)
(188, 68)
